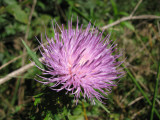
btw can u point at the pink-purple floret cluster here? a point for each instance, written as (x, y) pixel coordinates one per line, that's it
(80, 61)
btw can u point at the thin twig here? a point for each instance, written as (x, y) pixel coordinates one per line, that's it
(5, 101)
(130, 18)
(30, 17)
(11, 61)
(132, 90)
(16, 73)
(158, 27)
(137, 113)
(139, 38)
(134, 10)
(136, 100)
(28, 26)
(157, 100)
(20, 56)
(21, 88)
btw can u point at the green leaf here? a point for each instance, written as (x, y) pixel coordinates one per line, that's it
(56, 117)
(37, 101)
(49, 116)
(114, 7)
(114, 116)
(18, 13)
(33, 55)
(2, 10)
(18, 108)
(123, 13)
(78, 110)
(10, 2)
(128, 25)
(77, 117)
(41, 5)
(21, 16)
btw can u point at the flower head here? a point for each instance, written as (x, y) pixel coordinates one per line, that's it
(80, 61)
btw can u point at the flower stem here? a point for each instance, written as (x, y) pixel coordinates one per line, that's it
(84, 110)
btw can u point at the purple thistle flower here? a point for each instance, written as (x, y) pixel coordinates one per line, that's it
(80, 61)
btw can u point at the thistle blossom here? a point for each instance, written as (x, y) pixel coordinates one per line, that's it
(81, 62)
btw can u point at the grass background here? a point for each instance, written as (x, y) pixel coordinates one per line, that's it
(135, 97)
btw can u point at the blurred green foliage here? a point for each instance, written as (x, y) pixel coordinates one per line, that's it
(139, 38)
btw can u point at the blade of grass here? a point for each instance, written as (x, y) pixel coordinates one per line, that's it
(15, 92)
(80, 13)
(155, 92)
(102, 106)
(140, 89)
(87, 19)
(33, 55)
